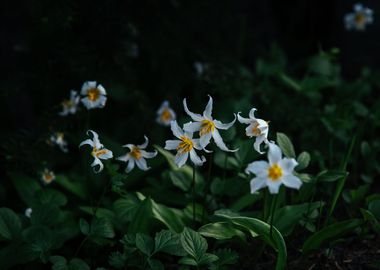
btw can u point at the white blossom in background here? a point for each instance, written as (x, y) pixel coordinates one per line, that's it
(165, 114)
(47, 176)
(70, 106)
(207, 126)
(28, 212)
(200, 68)
(258, 128)
(273, 173)
(98, 151)
(58, 138)
(185, 146)
(359, 18)
(137, 155)
(94, 95)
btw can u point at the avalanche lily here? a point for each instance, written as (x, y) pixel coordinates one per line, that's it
(28, 212)
(165, 114)
(207, 126)
(256, 128)
(185, 146)
(359, 18)
(94, 95)
(98, 151)
(273, 173)
(70, 106)
(137, 155)
(58, 139)
(47, 176)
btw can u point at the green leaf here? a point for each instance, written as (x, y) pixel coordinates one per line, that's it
(374, 208)
(286, 145)
(245, 201)
(303, 160)
(226, 256)
(101, 227)
(188, 261)
(10, 224)
(84, 226)
(25, 186)
(144, 243)
(167, 216)
(331, 175)
(180, 180)
(45, 214)
(142, 218)
(220, 231)
(41, 239)
(193, 243)
(208, 258)
(155, 264)
(59, 263)
(168, 242)
(78, 264)
(126, 208)
(258, 227)
(51, 196)
(330, 233)
(77, 188)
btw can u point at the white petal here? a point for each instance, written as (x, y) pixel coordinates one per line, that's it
(180, 159)
(194, 116)
(252, 113)
(97, 162)
(274, 154)
(219, 142)
(124, 158)
(196, 159)
(86, 86)
(192, 126)
(259, 140)
(146, 154)
(208, 110)
(288, 165)
(274, 186)
(177, 131)
(130, 165)
(141, 163)
(100, 102)
(101, 89)
(88, 141)
(358, 7)
(220, 125)
(145, 144)
(257, 183)
(204, 140)
(291, 181)
(95, 139)
(107, 155)
(87, 103)
(259, 168)
(172, 144)
(243, 120)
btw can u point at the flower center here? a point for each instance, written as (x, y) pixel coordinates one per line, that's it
(135, 153)
(206, 127)
(98, 152)
(360, 19)
(93, 94)
(48, 176)
(166, 115)
(255, 129)
(185, 146)
(274, 172)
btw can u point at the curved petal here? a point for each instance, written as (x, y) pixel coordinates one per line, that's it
(259, 168)
(252, 113)
(130, 165)
(192, 126)
(274, 186)
(291, 181)
(177, 131)
(274, 154)
(95, 139)
(288, 165)
(141, 164)
(101, 89)
(219, 142)
(88, 141)
(87, 85)
(243, 120)
(87, 103)
(129, 146)
(146, 154)
(124, 158)
(172, 144)
(145, 144)
(180, 159)
(259, 140)
(196, 159)
(220, 125)
(107, 155)
(257, 183)
(208, 110)
(97, 162)
(204, 140)
(194, 116)
(100, 102)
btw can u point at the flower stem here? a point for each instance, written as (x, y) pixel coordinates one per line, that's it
(207, 186)
(273, 211)
(193, 190)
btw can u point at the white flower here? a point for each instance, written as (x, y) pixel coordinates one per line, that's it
(359, 19)
(58, 139)
(257, 128)
(47, 176)
(278, 171)
(200, 68)
(69, 106)
(137, 155)
(207, 126)
(165, 114)
(95, 95)
(98, 151)
(185, 146)
(28, 212)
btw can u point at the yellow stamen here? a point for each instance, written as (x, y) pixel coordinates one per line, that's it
(207, 127)
(255, 129)
(185, 146)
(136, 153)
(48, 176)
(98, 152)
(274, 172)
(166, 115)
(93, 94)
(360, 19)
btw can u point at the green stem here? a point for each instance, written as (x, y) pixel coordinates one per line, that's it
(193, 190)
(273, 211)
(207, 186)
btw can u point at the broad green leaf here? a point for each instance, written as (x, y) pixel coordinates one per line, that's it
(180, 180)
(331, 175)
(193, 243)
(167, 216)
(168, 242)
(220, 231)
(303, 160)
(155, 264)
(84, 226)
(10, 224)
(75, 187)
(59, 263)
(188, 261)
(101, 227)
(258, 227)
(330, 233)
(41, 239)
(45, 214)
(144, 243)
(126, 208)
(226, 256)
(25, 186)
(78, 264)
(374, 208)
(51, 196)
(208, 258)
(286, 145)
(245, 201)
(142, 218)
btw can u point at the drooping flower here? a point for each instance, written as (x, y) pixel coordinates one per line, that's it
(137, 155)
(47, 176)
(165, 114)
(58, 138)
(98, 151)
(28, 212)
(256, 128)
(70, 106)
(185, 146)
(95, 95)
(207, 126)
(273, 173)
(359, 18)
